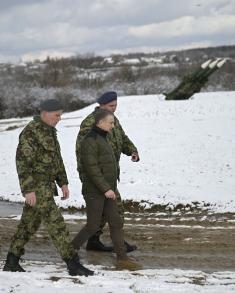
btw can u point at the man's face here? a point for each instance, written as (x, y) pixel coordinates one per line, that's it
(51, 118)
(107, 123)
(112, 106)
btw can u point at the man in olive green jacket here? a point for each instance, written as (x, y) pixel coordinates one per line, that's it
(99, 187)
(120, 143)
(39, 167)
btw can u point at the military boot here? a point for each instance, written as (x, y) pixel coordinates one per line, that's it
(75, 268)
(128, 264)
(95, 244)
(12, 264)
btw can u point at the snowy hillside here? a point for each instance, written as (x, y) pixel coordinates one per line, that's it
(187, 150)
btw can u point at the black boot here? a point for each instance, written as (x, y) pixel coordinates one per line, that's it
(129, 247)
(75, 268)
(95, 244)
(12, 264)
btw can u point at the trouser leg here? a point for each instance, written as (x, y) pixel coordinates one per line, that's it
(56, 227)
(120, 210)
(120, 205)
(94, 210)
(101, 227)
(29, 224)
(115, 222)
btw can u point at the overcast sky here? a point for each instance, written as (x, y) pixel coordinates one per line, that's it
(34, 29)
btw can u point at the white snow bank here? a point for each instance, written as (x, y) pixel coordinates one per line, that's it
(187, 151)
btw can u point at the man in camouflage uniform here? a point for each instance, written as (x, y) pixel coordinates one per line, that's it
(40, 166)
(120, 143)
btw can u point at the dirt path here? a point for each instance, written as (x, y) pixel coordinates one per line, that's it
(199, 240)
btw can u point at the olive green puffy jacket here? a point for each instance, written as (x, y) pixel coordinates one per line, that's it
(117, 138)
(98, 163)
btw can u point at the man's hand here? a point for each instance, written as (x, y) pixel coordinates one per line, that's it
(110, 194)
(30, 198)
(135, 157)
(65, 192)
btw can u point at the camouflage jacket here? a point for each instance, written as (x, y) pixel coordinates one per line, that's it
(117, 138)
(38, 157)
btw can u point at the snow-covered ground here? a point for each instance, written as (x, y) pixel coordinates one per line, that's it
(48, 277)
(187, 151)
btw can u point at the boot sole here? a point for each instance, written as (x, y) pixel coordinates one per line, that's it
(81, 274)
(7, 269)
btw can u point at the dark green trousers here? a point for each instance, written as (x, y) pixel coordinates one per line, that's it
(120, 211)
(45, 211)
(98, 205)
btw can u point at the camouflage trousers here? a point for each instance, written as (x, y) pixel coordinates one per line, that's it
(120, 210)
(45, 211)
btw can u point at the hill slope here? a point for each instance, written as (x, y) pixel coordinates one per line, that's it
(187, 151)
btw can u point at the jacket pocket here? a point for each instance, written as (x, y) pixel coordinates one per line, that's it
(47, 152)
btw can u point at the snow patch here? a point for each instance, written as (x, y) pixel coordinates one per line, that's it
(48, 277)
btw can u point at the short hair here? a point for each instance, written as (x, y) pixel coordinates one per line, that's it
(101, 114)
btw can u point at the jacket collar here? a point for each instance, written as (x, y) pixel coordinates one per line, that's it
(38, 119)
(99, 131)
